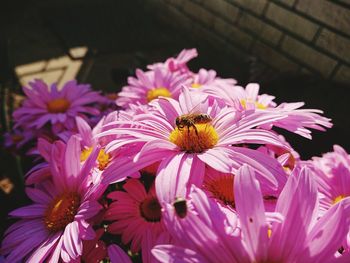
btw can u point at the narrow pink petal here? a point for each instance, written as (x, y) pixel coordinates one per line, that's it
(117, 255)
(175, 254)
(251, 212)
(41, 253)
(30, 211)
(72, 159)
(298, 204)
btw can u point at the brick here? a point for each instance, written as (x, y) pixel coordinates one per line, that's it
(287, 2)
(309, 56)
(170, 14)
(239, 37)
(331, 14)
(259, 28)
(177, 3)
(292, 22)
(273, 58)
(199, 13)
(223, 9)
(201, 34)
(334, 44)
(257, 6)
(343, 74)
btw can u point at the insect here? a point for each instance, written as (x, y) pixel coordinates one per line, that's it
(180, 207)
(189, 120)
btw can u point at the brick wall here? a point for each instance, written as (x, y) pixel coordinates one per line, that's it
(308, 36)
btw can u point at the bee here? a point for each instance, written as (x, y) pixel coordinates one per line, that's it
(189, 120)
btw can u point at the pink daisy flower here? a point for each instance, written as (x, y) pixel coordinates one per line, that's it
(17, 138)
(54, 226)
(297, 120)
(178, 64)
(333, 176)
(183, 150)
(150, 85)
(206, 235)
(137, 217)
(208, 78)
(58, 108)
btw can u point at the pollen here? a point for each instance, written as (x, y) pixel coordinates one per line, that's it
(196, 85)
(258, 105)
(338, 199)
(17, 138)
(61, 211)
(103, 158)
(196, 138)
(59, 105)
(222, 189)
(150, 209)
(158, 92)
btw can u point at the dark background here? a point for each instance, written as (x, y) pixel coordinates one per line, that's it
(124, 35)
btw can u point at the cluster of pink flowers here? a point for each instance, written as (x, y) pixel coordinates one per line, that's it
(183, 167)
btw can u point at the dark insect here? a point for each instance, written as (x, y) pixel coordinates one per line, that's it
(180, 207)
(189, 120)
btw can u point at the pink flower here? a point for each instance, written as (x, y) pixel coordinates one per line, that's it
(58, 108)
(178, 64)
(297, 120)
(208, 79)
(137, 217)
(17, 138)
(333, 176)
(149, 86)
(54, 226)
(183, 150)
(291, 234)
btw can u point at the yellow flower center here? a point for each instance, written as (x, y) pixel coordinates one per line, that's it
(196, 85)
(269, 232)
(258, 105)
(338, 199)
(222, 189)
(17, 138)
(60, 105)
(195, 138)
(102, 158)
(61, 211)
(150, 209)
(158, 92)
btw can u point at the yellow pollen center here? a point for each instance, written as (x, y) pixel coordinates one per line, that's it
(269, 232)
(338, 199)
(196, 138)
(258, 105)
(150, 209)
(196, 85)
(61, 211)
(17, 138)
(222, 189)
(158, 92)
(102, 158)
(60, 105)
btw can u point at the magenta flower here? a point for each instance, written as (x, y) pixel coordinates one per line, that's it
(291, 234)
(54, 226)
(184, 150)
(178, 64)
(150, 85)
(137, 217)
(17, 138)
(59, 108)
(297, 120)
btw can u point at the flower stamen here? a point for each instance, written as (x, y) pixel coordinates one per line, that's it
(59, 105)
(61, 211)
(158, 92)
(196, 138)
